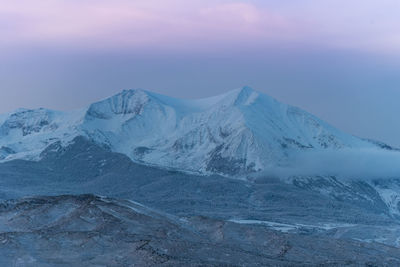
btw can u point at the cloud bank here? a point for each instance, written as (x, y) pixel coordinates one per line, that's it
(364, 164)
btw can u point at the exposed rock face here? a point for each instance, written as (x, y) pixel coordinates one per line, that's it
(28, 121)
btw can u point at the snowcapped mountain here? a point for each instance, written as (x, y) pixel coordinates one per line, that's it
(238, 132)
(234, 135)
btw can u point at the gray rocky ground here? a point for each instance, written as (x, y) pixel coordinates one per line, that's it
(86, 230)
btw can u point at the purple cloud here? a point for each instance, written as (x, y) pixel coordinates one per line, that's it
(359, 24)
(122, 23)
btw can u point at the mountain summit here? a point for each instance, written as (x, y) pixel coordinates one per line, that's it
(238, 132)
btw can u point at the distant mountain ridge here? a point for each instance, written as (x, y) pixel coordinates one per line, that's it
(239, 132)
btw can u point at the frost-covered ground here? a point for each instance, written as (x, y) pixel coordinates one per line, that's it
(95, 231)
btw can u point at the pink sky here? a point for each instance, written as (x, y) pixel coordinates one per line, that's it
(366, 25)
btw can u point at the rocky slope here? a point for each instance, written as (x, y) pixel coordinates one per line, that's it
(322, 206)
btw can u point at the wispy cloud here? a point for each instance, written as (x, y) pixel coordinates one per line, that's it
(122, 23)
(365, 25)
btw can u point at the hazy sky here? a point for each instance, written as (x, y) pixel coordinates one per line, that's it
(339, 59)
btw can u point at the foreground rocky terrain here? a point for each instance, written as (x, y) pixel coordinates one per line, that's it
(87, 230)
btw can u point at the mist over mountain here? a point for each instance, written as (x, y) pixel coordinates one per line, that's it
(362, 164)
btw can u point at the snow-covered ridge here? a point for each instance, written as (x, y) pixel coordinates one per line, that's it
(238, 132)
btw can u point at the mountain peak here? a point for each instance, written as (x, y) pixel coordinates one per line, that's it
(132, 92)
(246, 96)
(247, 89)
(126, 102)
